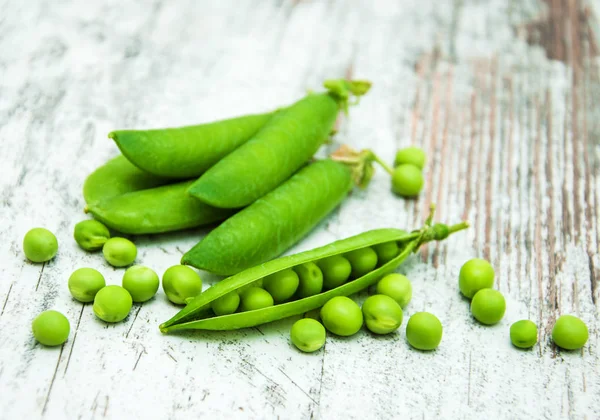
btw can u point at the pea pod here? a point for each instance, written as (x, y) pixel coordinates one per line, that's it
(196, 314)
(284, 144)
(186, 152)
(272, 224)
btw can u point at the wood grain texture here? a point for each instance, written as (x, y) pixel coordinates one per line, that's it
(501, 95)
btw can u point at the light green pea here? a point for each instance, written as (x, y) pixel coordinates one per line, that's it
(488, 306)
(523, 334)
(382, 314)
(141, 283)
(407, 180)
(51, 328)
(362, 260)
(91, 235)
(226, 304)
(181, 282)
(112, 304)
(311, 280)
(84, 283)
(119, 252)
(281, 285)
(308, 335)
(411, 155)
(424, 331)
(40, 245)
(386, 251)
(475, 274)
(396, 286)
(255, 298)
(570, 332)
(336, 271)
(342, 316)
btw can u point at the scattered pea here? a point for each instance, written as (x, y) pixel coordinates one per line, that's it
(424, 331)
(84, 283)
(523, 334)
(311, 279)
(181, 282)
(475, 274)
(119, 252)
(488, 306)
(382, 314)
(141, 283)
(362, 260)
(386, 251)
(281, 285)
(396, 286)
(410, 155)
(342, 316)
(226, 304)
(336, 271)
(570, 332)
(40, 245)
(308, 335)
(112, 303)
(91, 235)
(51, 328)
(407, 180)
(255, 298)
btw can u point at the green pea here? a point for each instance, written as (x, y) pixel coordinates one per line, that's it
(362, 260)
(281, 285)
(424, 331)
(382, 314)
(410, 155)
(311, 280)
(181, 282)
(51, 328)
(475, 274)
(396, 286)
(40, 245)
(308, 335)
(84, 283)
(91, 235)
(112, 304)
(141, 283)
(488, 306)
(407, 180)
(119, 252)
(570, 332)
(386, 251)
(523, 334)
(336, 271)
(255, 298)
(226, 304)
(342, 316)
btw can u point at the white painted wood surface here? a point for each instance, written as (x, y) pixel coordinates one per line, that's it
(502, 95)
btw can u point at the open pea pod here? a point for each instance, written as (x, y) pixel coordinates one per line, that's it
(196, 314)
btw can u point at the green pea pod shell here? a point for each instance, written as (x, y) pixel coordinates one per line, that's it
(186, 152)
(285, 143)
(273, 223)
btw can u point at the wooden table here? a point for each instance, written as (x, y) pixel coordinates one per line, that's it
(501, 94)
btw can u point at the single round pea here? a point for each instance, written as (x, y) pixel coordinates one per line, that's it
(310, 280)
(523, 334)
(119, 252)
(570, 332)
(112, 304)
(411, 155)
(84, 283)
(488, 306)
(336, 271)
(362, 260)
(91, 235)
(281, 285)
(396, 286)
(407, 180)
(181, 282)
(40, 245)
(342, 316)
(226, 304)
(141, 282)
(382, 314)
(475, 274)
(386, 251)
(255, 298)
(51, 328)
(308, 335)
(424, 331)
